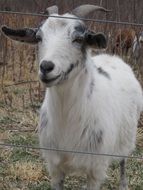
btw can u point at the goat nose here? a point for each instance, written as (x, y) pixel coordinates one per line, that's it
(46, 66)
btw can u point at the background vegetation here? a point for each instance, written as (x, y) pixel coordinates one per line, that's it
(21, 95)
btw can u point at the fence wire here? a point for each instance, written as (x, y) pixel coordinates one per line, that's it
(74, 18)
(21, 83)
(69, 151)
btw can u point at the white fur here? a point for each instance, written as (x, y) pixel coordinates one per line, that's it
(88, 105)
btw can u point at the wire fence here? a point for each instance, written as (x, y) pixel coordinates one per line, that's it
(21, 83)
(36, 81)
(32, 87)
(74, 18)
(70, 151)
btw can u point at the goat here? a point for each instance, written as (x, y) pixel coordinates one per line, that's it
(137, 49)
(92, 104)
(124, 40)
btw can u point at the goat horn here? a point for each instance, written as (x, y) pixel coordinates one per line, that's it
(51, 10)
(84, 10)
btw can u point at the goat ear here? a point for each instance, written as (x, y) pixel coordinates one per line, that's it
(27, 35)
(95, 40)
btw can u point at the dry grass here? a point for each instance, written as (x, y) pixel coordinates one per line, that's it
(140, 137)
(28, 171)
(4, 136)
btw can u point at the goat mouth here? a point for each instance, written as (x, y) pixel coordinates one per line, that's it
(44, 79)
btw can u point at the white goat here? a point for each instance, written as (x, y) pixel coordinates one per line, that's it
(93, 103)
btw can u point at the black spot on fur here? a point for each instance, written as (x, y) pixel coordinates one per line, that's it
(84, 131)
(91, 88)
(96, 138)
(104, 73)
(99, 136)
(43, 119)
(69, 70)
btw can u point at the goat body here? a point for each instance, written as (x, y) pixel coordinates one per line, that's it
(95, 112)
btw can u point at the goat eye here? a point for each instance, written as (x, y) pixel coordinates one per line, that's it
(80, 28)
(77, 37)
(79, 34)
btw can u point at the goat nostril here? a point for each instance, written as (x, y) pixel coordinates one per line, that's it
(46, 66)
